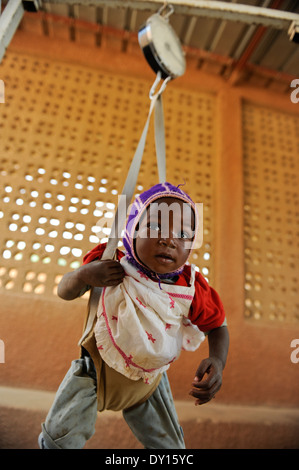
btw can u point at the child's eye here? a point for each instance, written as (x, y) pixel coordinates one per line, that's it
(154, 226)
(184, 234)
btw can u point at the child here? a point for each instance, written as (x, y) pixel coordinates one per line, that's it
(152, 305)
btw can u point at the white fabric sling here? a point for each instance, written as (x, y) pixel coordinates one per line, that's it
(141, 328)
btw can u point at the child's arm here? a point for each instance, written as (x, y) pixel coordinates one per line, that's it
(95, 274)
(205, 389)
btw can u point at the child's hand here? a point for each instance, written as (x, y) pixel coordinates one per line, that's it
(95, 274)
(102, 273)
(205, 390)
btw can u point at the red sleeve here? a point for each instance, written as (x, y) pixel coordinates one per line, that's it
(206, 310)
(97, 253)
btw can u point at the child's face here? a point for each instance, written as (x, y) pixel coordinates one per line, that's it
(165, 234)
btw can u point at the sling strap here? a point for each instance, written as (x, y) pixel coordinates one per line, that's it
(129, 186)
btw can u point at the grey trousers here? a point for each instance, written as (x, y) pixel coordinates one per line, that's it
(72, 417)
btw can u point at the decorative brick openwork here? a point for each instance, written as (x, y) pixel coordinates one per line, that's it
(271, 214)
(68, 134)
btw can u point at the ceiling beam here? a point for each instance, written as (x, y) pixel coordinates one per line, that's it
(250, 48)
(208, 8)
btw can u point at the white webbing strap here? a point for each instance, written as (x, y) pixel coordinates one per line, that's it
(94, 298)
(160, 139)
(129, 188)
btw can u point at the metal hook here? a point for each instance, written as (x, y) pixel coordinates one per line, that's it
(164, 7)
(154, 86)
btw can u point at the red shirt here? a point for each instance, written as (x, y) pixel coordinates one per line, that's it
(206, 309)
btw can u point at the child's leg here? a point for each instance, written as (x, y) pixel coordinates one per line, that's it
(71, 419)
(155, 422)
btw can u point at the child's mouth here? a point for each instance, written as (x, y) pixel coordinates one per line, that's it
(165, 258)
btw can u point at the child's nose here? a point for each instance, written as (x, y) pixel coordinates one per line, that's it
(167, 240)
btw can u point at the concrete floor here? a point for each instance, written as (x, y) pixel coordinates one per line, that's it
(211, 426)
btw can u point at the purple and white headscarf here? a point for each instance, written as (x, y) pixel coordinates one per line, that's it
(138, 208)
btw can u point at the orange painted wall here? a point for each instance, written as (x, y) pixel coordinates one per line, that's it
(40, 332)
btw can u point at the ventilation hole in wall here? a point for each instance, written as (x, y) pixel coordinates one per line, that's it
(9, 285)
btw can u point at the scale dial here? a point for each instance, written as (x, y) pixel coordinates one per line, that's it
(162, 47)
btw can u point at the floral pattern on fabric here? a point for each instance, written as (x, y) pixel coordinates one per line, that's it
(141, 324)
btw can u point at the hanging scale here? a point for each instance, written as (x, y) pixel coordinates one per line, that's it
(160, 44)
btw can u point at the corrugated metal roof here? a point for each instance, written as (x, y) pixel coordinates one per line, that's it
(223, 46)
